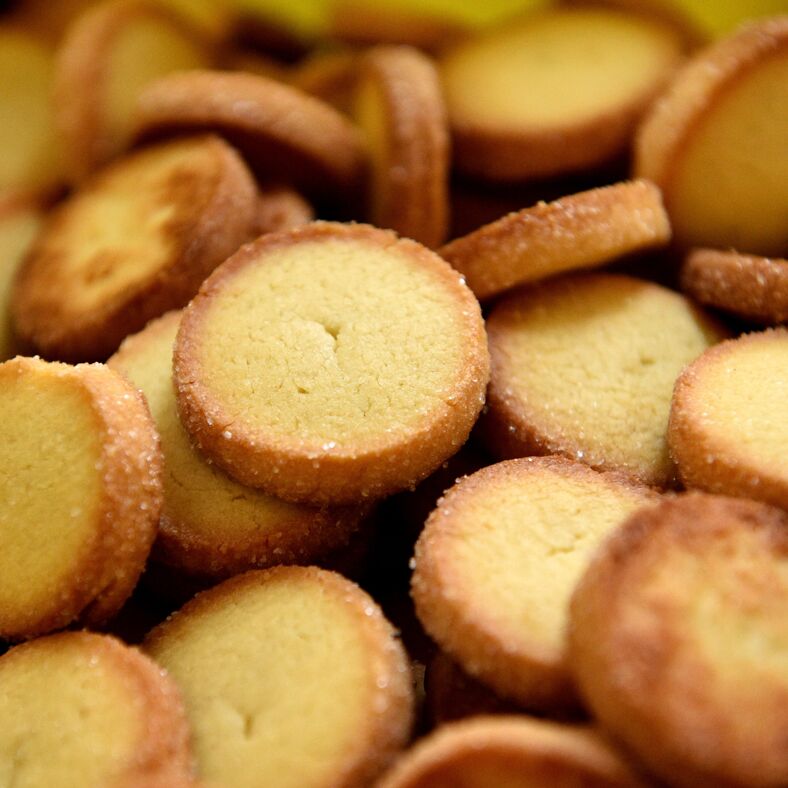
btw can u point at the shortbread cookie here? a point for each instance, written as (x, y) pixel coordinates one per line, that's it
(555, 92)
(583, 230)
(291, 676)
(108, 55)
(137, 240)
(80, 485)
(399, 106)
(752, 287)
(728, 428)
(584, 366)
(19, 225)
(210, 525)
(281, 208)
(84, 710)
(677, 640)
(363, 371)
(497, 562)
(715, 143)
(283, 133)
(512, 751)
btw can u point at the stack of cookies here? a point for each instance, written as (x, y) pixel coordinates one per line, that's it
(392, 400)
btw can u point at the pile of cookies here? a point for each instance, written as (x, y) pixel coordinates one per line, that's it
(400, 406)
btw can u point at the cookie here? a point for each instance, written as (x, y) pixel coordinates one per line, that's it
(727, 428)
(138, 239)
(752, 287)
(211, 526)
(400, 108)
(676, 640)
(583, 230)
(584, 366)
(281, 208)
(365, 370)
(306, 686)
(80, 481)
(496, 564)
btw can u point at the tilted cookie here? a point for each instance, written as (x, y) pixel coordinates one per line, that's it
(138, 239)
(728, 428)
(364, 370)
(306, 685)
(80, 485)
(677, 640)
(583, 230)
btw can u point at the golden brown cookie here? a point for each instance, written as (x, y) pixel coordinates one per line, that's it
(584, 366)
(284, 134)
(85, 709)
(80, 485)
(210, 525)
(400, 109)
(755, 288)
(728, 429)
(583, 230)
(677, 640)
(715, 143)
(497, 561)
(511, 751)
(553, 92)
(281, 208)
(138, 239)
(365, 370)
(107, 56)
(305, 686)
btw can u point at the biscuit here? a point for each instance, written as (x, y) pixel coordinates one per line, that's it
(728, 429)
(107, 56)
(715, 143)
(497, 561)
(210, 525)
(365, 370)
(306, 684)
(583, 230)
(81, 709)
(752, 287)
(399, 106)
(584, 366)
(281, 208)
(555, 92)
(136, 240)
(80, 481)
(677, 640)
(284, 134)
(513, 751)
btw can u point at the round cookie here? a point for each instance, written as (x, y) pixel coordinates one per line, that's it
(290, 676)
(365, 370)
(554, 92)
(580, 231)
(512, 751)
(728, 429)
(400, 108)
(81, 709)
(677, 640)
(755, 288)
(496, 564)
(281, 208)
(106, 57)
(80, 482)
(584, 366)
(283, 133)
(210, 525)
(136, 240)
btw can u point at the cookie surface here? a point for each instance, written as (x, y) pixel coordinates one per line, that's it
(306, 687)
(584, 366)
(81, 491)
(135, 241)
(364, 372)
(727, 431)
(676, 640)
